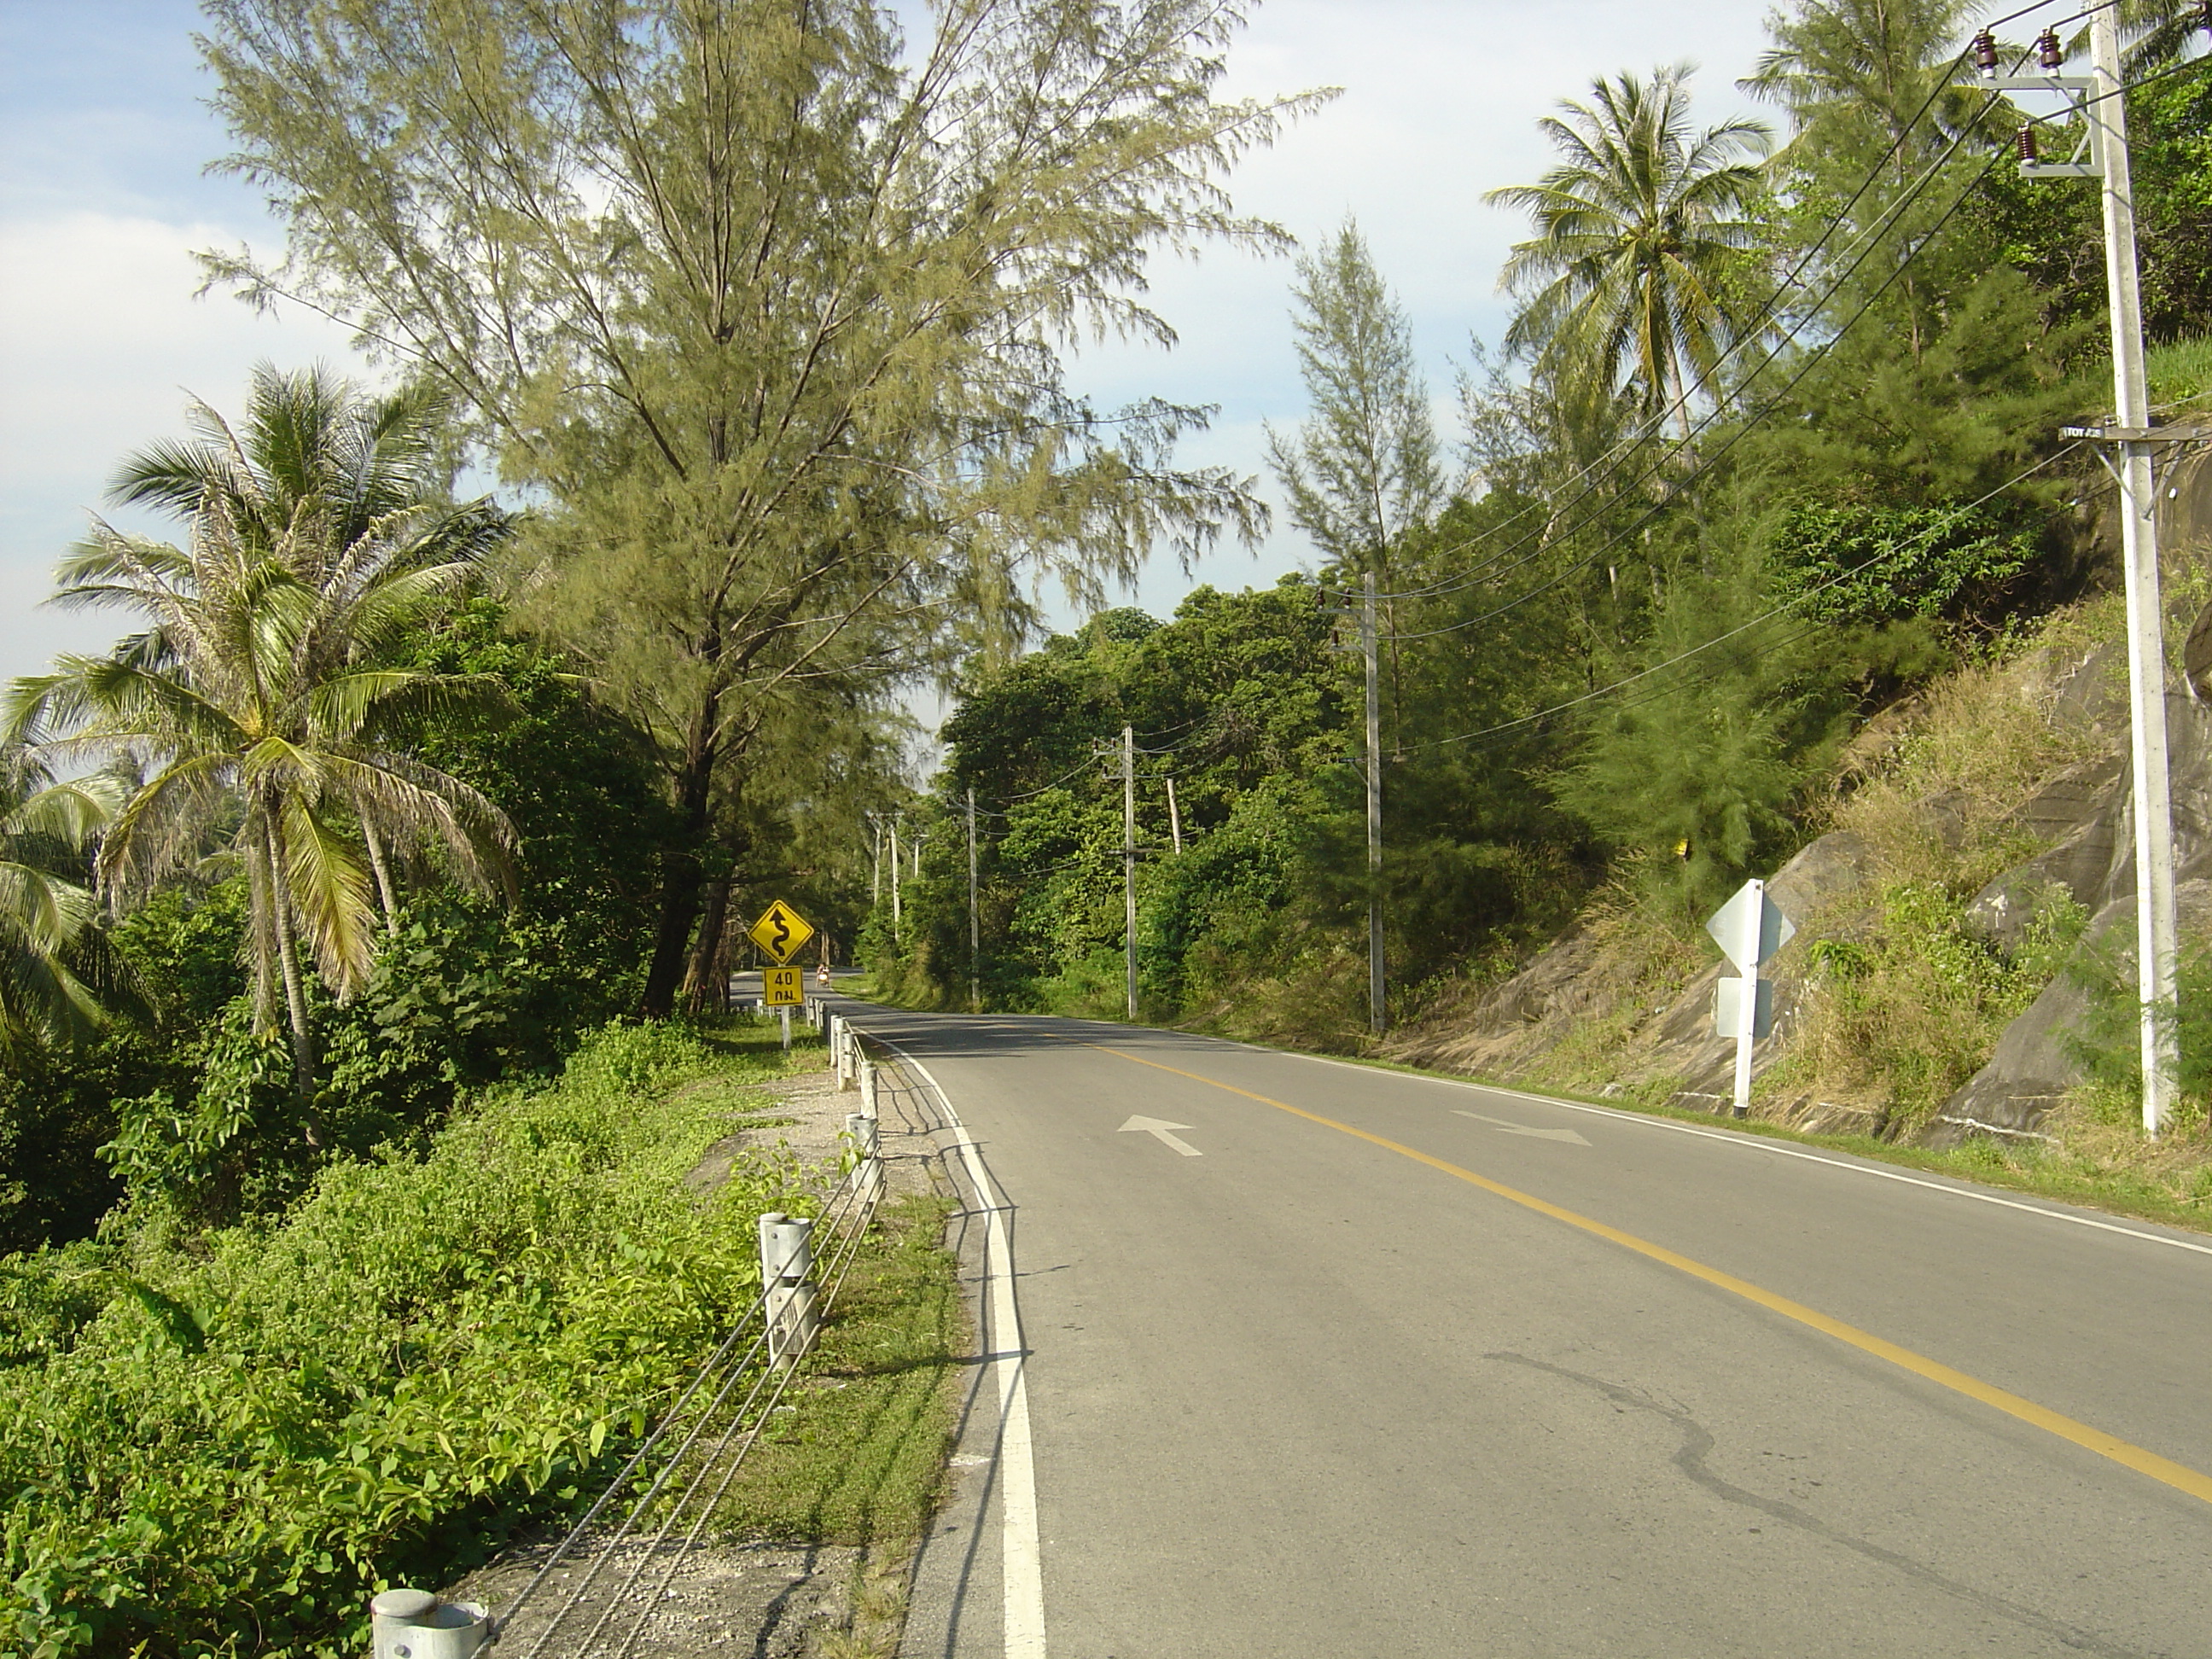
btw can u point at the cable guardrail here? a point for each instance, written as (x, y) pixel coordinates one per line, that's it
(699, 1446)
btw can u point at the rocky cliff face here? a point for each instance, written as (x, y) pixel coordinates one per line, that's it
(1655, 1021)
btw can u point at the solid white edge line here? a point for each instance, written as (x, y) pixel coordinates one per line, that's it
(1021, 1554)
(1751, 1143)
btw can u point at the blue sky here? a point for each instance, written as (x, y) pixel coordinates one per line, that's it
(103, 195)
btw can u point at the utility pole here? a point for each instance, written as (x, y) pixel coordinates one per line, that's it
(895, 881)
(1129, 859)
(2157, 921)
(974, 923)
(1367, 650)
(876, 860)
(2104, 110)
(1175, 818)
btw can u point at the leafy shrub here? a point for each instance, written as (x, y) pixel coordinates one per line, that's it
(1904, 1016)
(1877, 564)
(2106, 1040)
(245, 1442)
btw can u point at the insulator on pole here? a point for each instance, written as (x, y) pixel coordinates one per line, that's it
(2050, 54)
(2026, 141)
(1985, 53)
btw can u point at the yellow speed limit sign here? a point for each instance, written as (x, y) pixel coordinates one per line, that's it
(780, 931)
(782, 987)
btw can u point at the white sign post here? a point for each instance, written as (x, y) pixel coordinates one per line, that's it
(1750, 929)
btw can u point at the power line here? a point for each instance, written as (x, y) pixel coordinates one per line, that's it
(1812, 360)
(1955, 516)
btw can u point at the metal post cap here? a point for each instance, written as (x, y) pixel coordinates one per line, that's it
(403, 1604)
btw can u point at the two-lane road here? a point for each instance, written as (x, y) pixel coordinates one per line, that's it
(1316, 1359)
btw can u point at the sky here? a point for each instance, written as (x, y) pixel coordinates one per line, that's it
(104, 138)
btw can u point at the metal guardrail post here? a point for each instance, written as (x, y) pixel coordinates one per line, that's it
(793, 1311)
(867, 1140)
(412, 1624)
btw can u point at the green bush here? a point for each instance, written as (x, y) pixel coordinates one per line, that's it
(1905, 1015)
(240, 1443)
(1872, 564)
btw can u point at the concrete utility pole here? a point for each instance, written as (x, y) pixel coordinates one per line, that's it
(876, 860)
(2104, 156)
(1175, 818)
(2157, 922)
(1367, 650)
(974, 923)
(895, 881)
(1129, 859)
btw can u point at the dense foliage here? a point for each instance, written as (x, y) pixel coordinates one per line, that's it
(238, 1443)
(391, 806)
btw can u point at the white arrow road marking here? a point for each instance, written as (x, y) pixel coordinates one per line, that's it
(1567, 1136)
(1153, 1126)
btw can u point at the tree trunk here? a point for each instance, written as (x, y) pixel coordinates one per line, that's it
(259, 909)
(295, 990)
(683, 882)
(375, 843)
(705, 991)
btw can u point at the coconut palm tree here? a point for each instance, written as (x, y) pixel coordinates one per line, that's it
(1639, 232)
(52, 964)
(265, 700)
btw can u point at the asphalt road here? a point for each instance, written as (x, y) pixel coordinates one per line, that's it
(1389, 1365)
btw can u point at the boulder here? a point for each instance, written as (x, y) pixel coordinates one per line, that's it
(2033, 1066)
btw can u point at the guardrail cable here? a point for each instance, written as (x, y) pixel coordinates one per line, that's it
(737, 1368)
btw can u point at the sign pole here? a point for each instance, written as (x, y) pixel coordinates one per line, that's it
(1746, 1019)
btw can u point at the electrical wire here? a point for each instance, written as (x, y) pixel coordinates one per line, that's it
(1811, 360)
(1783, 609)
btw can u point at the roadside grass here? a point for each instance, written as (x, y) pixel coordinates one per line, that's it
(859, 1458)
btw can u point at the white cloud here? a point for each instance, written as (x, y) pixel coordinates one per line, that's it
(101, 347)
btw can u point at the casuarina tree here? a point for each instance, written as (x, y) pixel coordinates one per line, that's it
(765, 303)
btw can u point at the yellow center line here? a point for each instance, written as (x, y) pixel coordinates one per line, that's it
(2180, 1476)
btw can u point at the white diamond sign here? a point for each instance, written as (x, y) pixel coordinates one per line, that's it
(1750, 926)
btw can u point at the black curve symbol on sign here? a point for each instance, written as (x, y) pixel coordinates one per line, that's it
(782, 933)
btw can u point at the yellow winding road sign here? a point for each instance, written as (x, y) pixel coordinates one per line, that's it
(780, 931)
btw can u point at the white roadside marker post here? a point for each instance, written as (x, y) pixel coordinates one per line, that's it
(1750, 929)
(866, 1136)
(412, 1624)
(787, 1255)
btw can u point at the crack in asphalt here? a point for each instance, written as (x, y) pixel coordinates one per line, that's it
(1697, 1441)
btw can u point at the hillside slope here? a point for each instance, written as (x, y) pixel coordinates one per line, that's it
(1977, 847)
